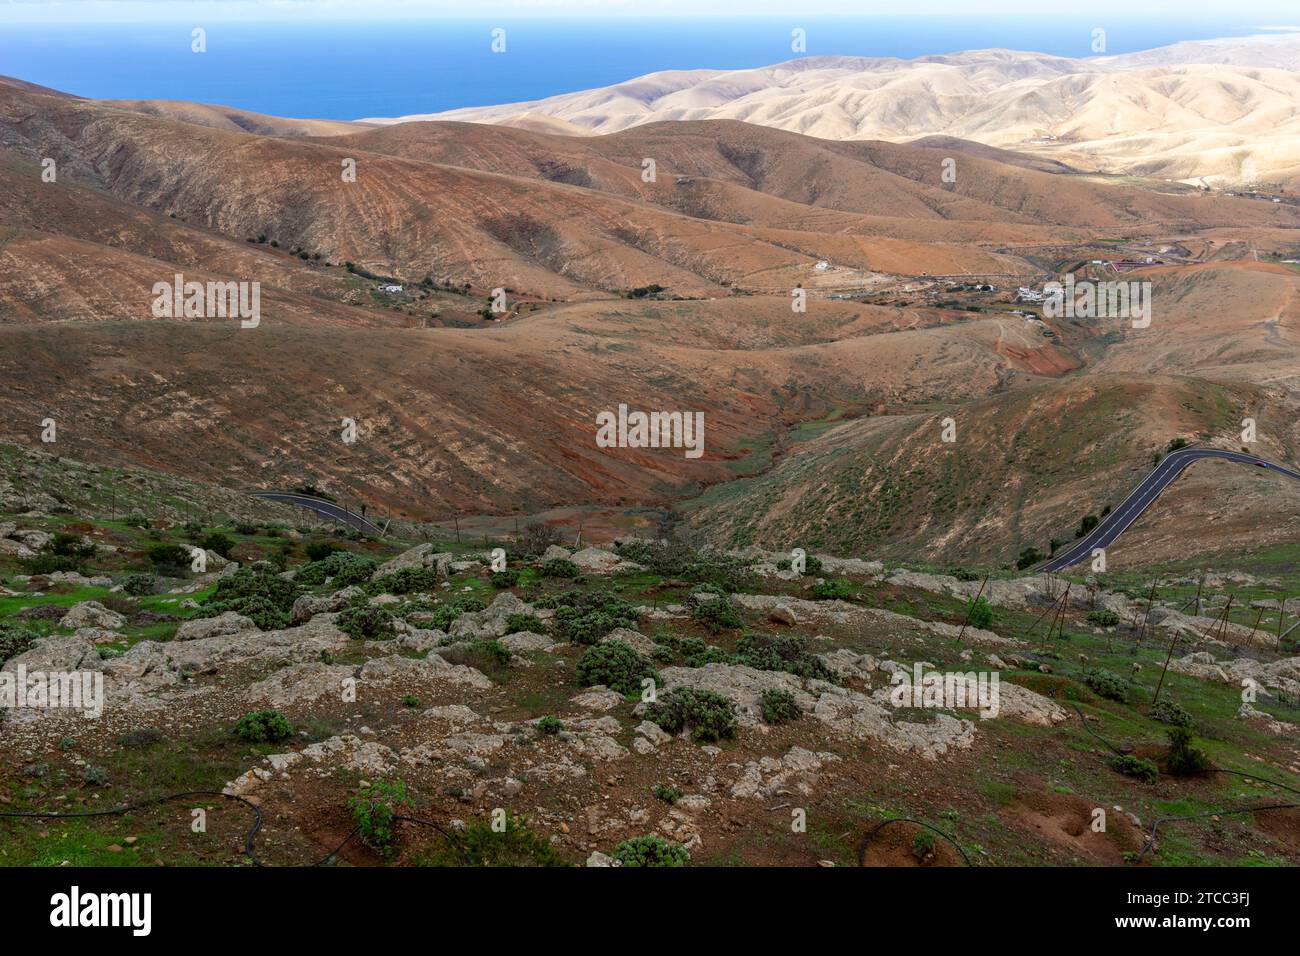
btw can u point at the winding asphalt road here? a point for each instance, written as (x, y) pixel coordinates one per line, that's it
(326, 509)
(1118, 521)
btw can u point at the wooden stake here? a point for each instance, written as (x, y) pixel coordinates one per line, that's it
(971, 607)
(1168, 658)
(1146, 620)
(1281, 614)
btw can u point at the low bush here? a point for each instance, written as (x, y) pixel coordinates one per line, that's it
(689, 651)
(263, 726)
(15, 639)
(1106, 684)
(140, 584)
(525, 622)
(374, 809)
(709, 716)
(676, 559)
(550, 725)
(1138, 767)
(444, 615)
(1103, 617)
(479, 844)
(981, 614)
(218, 543)
(833, 589)
(616, 665)
(923, 846)
(559, 568)
(508, 578)
(778, 706)
(584, 618)
(782, 652)
(257, 593)
(1183, 759)
(170, 559)
(714, 610)
(667, 794)
(1168, 712)
(344, 567)
(404, 581)
(367, 622)
(651, 850)
(320, 550)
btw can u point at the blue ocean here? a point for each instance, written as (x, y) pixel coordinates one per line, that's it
(347, 70)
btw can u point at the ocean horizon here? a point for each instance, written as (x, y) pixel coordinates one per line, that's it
(353, 69)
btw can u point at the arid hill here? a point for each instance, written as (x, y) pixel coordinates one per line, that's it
(1221, 111)
(671, 292)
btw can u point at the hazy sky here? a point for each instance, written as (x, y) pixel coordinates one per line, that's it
(1263, 13)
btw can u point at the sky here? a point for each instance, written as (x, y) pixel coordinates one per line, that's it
(1268, 13)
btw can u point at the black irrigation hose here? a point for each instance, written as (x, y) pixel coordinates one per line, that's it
(1221, 812)
(248, 839)
(871, 835)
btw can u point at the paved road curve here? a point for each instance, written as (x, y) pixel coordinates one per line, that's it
(1118, 521)
(326, 509)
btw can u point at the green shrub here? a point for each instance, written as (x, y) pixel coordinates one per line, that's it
(584, 618)
(135, 520)
(1139, 767)
(812, 566)
(140, 584)
(1028, 558)
(832, 589)
(614, 664)
(374, 809)
(559, 568)
(15, 639)
(782, 652)
(708, 715)
(257, 593)
(498, 653)
(676, 559)
(480, 845)
(550, 725)
(715, 613)
(1184, 760)
(44, 562)
(651, 850)
(1103, 617)
(525, 622)
(505, 579)
(667, 794)
(263, 726)
(404, 581)
(1168, 712)
(320, 550)
(1106, 684)
(218, 543)
(344, 567)
(981, 614)
(170, 559)
(690, 651)
(961, 574)
(923, 846)
(778, 706)
(410, 700)
(445, 614)
(367, 622)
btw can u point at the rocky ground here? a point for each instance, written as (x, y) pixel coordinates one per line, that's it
(585, 706)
